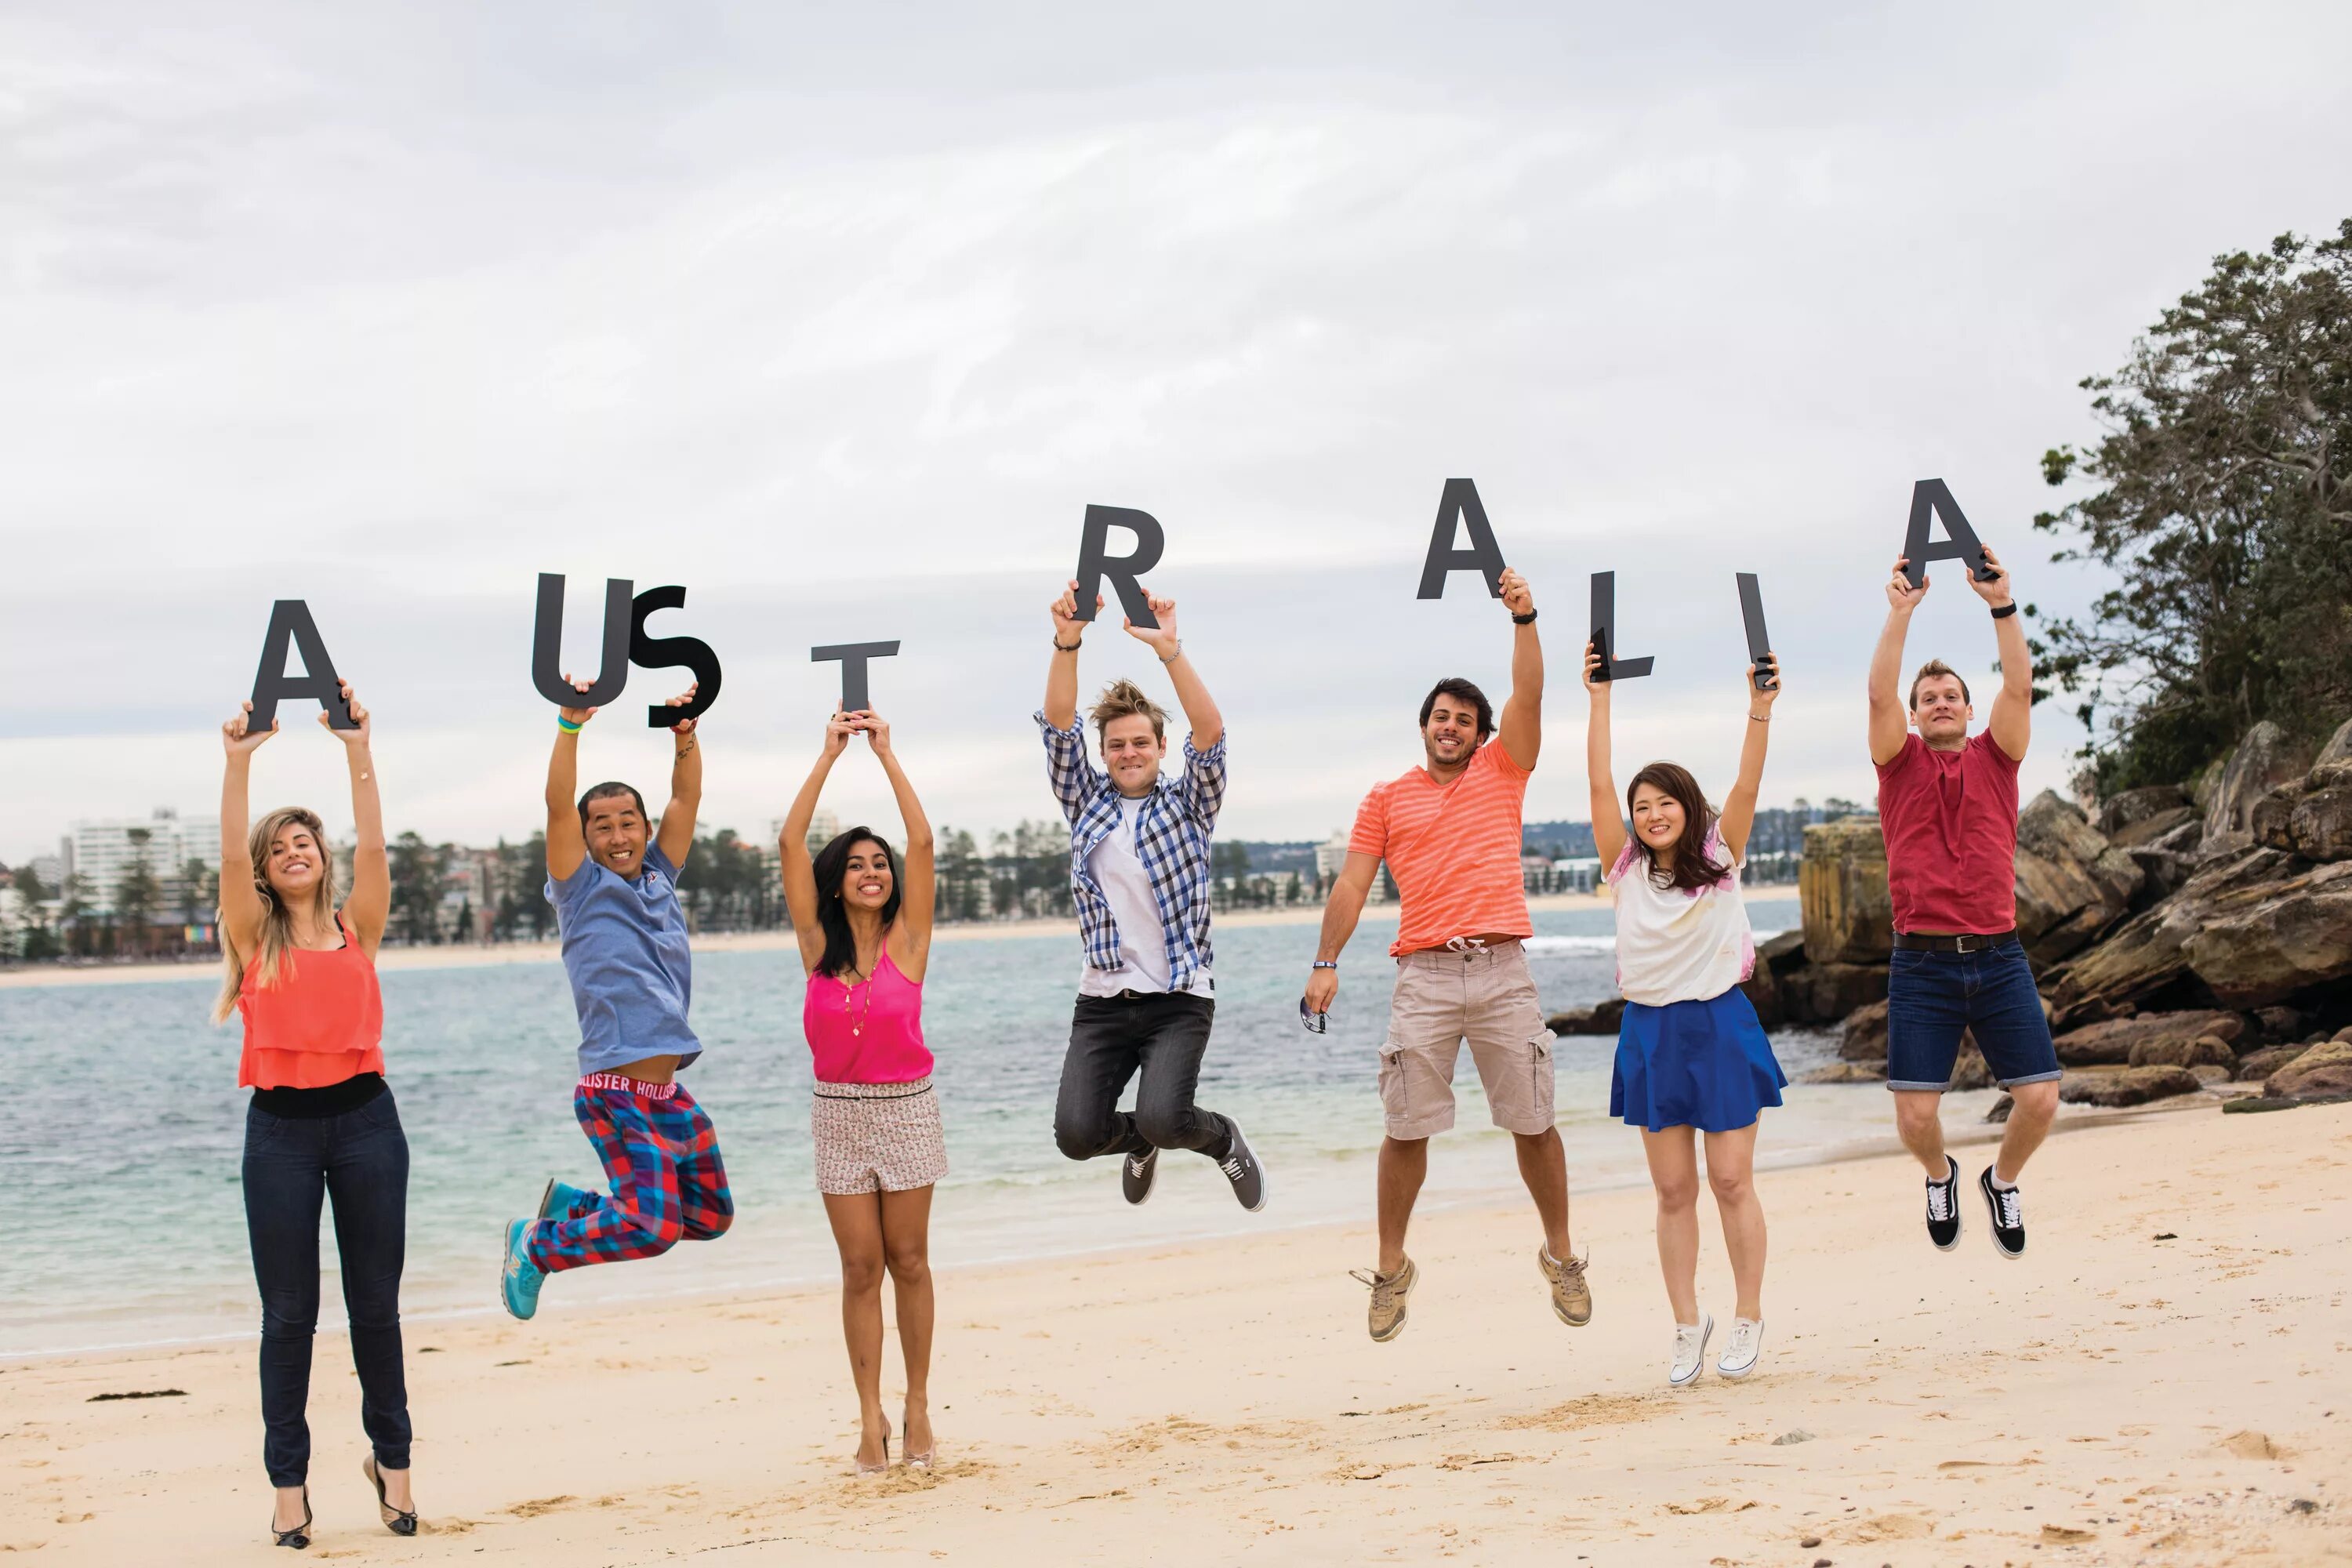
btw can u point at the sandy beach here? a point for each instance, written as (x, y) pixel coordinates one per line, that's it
(465, 955)
(2161, 1380)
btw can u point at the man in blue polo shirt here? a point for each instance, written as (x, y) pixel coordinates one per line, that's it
(624, 950)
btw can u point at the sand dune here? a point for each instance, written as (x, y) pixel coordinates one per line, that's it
(2164, 1379)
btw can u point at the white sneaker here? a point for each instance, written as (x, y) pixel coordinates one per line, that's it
(1690, 1351)
(1739, 1352)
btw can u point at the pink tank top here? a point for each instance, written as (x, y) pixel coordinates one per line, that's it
(869, 1031)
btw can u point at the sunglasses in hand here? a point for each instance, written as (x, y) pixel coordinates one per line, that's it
(1314, 1023)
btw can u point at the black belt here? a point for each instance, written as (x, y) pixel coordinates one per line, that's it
(1916, 941)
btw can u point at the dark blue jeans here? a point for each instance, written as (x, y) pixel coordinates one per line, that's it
(360, 1158)
(1931, 997)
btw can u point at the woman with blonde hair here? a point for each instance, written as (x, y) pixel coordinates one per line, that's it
(301, 973)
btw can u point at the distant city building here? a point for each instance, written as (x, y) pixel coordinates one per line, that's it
(102, 851)
(823, 828)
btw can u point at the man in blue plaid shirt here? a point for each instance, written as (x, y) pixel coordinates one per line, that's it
(1139, 877)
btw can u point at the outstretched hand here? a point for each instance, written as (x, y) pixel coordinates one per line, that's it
(684, 726)
(237, 738)
(1162, 640)
(1518, 597)
(1068, 630)
(837, 731)
(354, 739)
(1769, 666)
(876, 731)
(1996, 592)
(1900, 594)
(1595, 683)
(576, 715)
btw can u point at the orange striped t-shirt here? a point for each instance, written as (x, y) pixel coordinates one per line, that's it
(1452, 851)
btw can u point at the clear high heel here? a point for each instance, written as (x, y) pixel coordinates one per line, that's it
(883, 1469)
(921, 1461)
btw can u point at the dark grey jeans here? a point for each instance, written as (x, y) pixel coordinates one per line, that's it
(291, 1164)
(1112, 1039)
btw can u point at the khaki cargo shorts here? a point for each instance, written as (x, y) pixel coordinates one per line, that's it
(1442, 999)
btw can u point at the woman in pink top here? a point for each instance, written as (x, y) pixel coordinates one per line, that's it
(864, 928)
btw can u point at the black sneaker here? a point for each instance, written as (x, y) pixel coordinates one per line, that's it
(1137, 1175)
(1242, 1169)
(1944, 1209)
(2007, 1206)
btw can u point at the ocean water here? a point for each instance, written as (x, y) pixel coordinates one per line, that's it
(121, 1127)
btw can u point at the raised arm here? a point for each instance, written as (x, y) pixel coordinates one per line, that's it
(241, 909)
(1887, 726)
(1201, 715)
(1739, 805)
(566, 844)
(2012, 724)
(1608, 827)
(791, 844)
(1062, 674)
(1341, 911)
(677, 838)
(370, 904)
(1522, 729)
(919, 886)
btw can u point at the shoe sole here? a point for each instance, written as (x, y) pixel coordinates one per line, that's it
(1705, 1334)
(1993, 1221)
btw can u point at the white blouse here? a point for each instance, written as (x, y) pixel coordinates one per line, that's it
(1679, 944)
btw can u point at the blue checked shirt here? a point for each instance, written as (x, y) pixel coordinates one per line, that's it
(1171, 839)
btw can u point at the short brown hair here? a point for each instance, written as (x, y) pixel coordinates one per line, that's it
(1936, 666)
(1121, 698)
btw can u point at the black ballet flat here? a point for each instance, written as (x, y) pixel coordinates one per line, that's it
(298, 1538)
(394, 1520)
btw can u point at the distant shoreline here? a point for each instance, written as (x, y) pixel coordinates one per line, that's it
(469, 956)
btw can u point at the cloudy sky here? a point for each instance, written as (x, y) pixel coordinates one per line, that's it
(840, 317)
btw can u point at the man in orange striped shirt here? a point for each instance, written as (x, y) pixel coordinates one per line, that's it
(1450, 831)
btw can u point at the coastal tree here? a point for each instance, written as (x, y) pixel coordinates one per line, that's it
(137, 894)
(2224, 508)
(419, 872)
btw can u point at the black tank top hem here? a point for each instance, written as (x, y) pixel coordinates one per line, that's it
(312, 1104)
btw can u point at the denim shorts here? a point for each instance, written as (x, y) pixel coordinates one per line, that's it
(1932, 996)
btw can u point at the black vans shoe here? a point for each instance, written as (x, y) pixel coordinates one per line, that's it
(1944, 1209)
(1242, 1169)
(1137, 1174)
(2007, 1206)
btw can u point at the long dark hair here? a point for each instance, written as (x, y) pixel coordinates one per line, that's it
(1689, 865)
(831, 866)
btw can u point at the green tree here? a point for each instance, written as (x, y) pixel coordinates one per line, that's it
(73, 912)
(2225, 513)
(33, 938)
(418, 873)
(137, 894)
(199, 889)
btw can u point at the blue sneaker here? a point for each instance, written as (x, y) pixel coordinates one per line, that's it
(560, 1199)
(519, 1280)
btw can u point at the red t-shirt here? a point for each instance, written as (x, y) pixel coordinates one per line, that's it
(1951, 821)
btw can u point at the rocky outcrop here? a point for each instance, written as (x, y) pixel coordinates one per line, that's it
(2204, 1051)
(2118, 1041)
(2128, 1085)
(2321, 1071)
(2266, 942)
(1826, 993)
(1841, 886)
(2256, 1067)
(1865, 1037)
(2072, 884)
(2149, 953)
(1600, 1018)
(2267, 758)
(1774, 957)
(2314, 821)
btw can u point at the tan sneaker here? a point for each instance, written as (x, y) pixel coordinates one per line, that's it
(1390, 1292)
(1571, 1297)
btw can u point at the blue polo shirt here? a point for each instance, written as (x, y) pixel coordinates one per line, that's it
(625, 948)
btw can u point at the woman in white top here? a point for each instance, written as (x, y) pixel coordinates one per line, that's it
(1691, 1056)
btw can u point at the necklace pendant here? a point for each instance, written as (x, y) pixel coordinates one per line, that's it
(856, 1030)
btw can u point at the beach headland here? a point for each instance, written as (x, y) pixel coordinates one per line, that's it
(2161, 1378)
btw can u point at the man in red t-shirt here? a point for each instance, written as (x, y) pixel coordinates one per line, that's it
(1947, 805)
(1450, 832)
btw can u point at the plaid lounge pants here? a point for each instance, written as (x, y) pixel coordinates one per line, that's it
(662, 1155)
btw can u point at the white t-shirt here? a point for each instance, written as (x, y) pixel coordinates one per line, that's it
(1126, 886)
(1679, 944)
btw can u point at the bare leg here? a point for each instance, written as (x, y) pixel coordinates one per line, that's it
(1918, 1117)
(1543, 1166)
(906, 1247)
(1674, 1172)
(857, 1231)
(1404, 1161)
(1731, 1171)
(2033, 1107)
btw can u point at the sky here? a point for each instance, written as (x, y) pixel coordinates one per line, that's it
(840, 318)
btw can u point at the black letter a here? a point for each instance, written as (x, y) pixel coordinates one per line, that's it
(1484, 556)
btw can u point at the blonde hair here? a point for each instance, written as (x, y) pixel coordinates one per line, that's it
(1121, 698)
(278, 920)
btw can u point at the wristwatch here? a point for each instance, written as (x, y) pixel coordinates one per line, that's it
(2003, 612)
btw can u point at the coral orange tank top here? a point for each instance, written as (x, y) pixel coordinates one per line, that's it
(320, 1024)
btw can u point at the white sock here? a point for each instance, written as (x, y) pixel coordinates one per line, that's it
(2001, 1186)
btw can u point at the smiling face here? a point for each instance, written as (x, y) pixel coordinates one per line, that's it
(1658, 819)
(615, 831)
(1132, 754)
(1451, 733)
(1940, 712)
(297, 864)
(867, 880)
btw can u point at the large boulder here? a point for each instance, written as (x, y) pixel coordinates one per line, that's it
(2263, 943)
(2308, 818)
(2256, 1067)
(2204, 1051)
(2266, 758)
(2321, 1070)
(2130, 1086)
(1864, 1038)
(1826, 993)
(1600, 1018)
(1763, 989)
(2338, 751)
(2168, 859)
(2121, 1040)
(2071, 883)
(1841, 886)
(2149, 951)
(2120, 813)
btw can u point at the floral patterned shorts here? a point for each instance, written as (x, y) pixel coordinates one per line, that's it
(877, 1137)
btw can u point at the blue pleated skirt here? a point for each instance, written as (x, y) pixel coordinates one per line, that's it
(1694, 1064)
